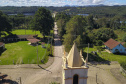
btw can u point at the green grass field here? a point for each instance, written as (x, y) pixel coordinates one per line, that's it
(27, 32)
(108, 56)
(22, 52)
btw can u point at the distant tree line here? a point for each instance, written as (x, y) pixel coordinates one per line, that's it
(97, 11)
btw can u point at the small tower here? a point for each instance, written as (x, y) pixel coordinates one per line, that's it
(74, 69)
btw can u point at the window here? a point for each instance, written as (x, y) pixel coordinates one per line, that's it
(120, 49)
(75, 79)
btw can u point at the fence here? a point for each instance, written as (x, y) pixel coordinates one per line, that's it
(123, 71)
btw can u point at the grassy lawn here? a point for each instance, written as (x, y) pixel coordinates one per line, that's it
(21, 52)
(108, 56)
(28, 32)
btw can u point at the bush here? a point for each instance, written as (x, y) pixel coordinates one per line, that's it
(99, 43)
(123, 64)
(99, 48)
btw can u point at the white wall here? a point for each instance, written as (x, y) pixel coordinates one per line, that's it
(71, 72)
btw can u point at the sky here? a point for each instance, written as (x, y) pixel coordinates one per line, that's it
(60, 2)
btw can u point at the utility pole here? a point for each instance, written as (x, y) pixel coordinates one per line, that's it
(96, 78)
(20, 80)
(24, 26)
(37, 55)
(51, 44)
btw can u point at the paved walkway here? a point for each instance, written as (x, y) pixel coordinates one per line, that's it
(105, 74)
(28, 66)
(107, 51)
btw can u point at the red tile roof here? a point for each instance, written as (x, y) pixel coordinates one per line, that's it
(33, 40)
(1, 43)
(123, 43)
(111, 43)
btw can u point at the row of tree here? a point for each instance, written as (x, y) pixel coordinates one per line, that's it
(85, 29)
(100, 11)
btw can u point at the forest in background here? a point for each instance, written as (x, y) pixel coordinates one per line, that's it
(98, 11)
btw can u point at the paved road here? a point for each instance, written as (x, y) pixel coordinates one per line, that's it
(39, 75)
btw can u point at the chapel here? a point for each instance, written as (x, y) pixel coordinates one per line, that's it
(75, 68)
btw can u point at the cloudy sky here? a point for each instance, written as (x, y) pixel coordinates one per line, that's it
(59, 2)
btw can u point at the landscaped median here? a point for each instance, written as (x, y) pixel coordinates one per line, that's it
(23, 53)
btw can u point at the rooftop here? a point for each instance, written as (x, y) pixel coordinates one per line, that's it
(1, 43)
(74, 58)
(111, 43)
(33, 40)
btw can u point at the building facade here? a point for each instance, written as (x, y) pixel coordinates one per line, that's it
(75, 68)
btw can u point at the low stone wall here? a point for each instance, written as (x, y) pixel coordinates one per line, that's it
(122, 71)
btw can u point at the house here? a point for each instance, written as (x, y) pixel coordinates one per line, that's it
(2, 46)
(33, 41)
(115, 46)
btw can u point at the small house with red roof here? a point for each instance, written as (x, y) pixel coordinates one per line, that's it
(115, 46)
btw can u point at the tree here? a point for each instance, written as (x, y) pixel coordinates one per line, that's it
(103, 22)
(115, 23)
(61, 27)
(104, 34)
(124, 38)
(99, 43)
(62, 15)
(4, 24)
(43, 21)
(90, 21)
(62, 19)
(74, 31)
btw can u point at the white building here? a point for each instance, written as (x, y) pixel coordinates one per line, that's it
(75, 68)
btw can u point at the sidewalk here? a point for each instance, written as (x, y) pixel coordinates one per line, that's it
(32, 66)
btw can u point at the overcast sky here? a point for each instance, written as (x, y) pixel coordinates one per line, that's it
(59, 2)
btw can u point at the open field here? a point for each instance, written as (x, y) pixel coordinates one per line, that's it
(24, 32)
(108, 56)
(22, 52)
(28, 32)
